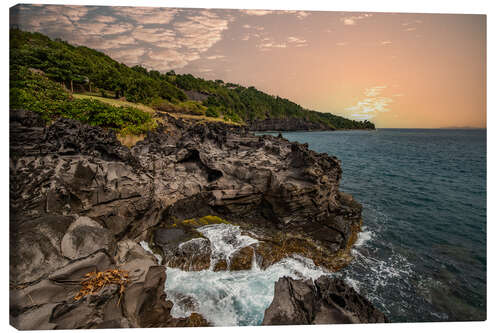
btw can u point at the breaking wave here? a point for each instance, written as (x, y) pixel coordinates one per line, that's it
(229, 298)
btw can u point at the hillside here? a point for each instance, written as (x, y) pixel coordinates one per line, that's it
(84, 70)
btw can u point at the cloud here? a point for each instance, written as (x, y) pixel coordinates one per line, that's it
(298, 13)
(154, 35)
(160, 38)
(74, 13)
(48, 16)
(130, 56)
(411, 25)
(98, 42)
(248, 26)
(414, 22)
(271, 45)
(215, 56)
(352, 20)
(386, 43)
(296, 41)
(147, 15)
(302, 15)
(105, 19)
(349, 21)
(117, 28)
(200, 32)
(163, 59)
(92, 28)
(341, 43)
(268, 43)
(258, 12)
(257, 32)
(371, 104)
(374, 91)
(184, 41)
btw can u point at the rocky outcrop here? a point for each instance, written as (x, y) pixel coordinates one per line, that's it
(325, 301)
(287, 124)
(242, 259)
(49, 302)
(82, 202)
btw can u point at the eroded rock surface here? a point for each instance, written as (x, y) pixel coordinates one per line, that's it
(242, 259)
(80, 202)
(326, 301)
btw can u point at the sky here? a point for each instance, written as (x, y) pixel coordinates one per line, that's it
(397, 70)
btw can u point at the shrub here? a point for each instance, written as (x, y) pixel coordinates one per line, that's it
(97, 113)
(212, 112)
(35, 92)
(193, 107)
(160, 104)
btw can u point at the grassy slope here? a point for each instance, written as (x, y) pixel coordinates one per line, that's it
(117, 102)
(150, 110)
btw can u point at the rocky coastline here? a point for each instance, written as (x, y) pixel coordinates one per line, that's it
(294, 125)
(286, 124)
(82, 202)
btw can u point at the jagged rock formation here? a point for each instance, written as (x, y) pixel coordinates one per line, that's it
(80, 201)
(287, 124)
(325, 301)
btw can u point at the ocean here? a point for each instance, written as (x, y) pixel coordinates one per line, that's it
(421, 255)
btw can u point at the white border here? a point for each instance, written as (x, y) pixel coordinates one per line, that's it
(417, 6)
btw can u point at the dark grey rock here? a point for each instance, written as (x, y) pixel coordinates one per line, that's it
(83, 237)
(326, 301)
(80, 201)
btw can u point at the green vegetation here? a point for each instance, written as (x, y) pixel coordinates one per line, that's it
(211, 219)
(212, 112)
(202, 221)
(35, 92)
(116, 102)
(80, 67)
(63, 69)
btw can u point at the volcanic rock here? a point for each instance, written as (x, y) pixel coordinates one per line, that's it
(80, 202)
(326, 301)
(242, 259)
(220, 265)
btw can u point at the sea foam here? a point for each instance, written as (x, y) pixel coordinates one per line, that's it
(228, 298)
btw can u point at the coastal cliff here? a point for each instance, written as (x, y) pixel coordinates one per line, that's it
(287, 124)
(82, 202)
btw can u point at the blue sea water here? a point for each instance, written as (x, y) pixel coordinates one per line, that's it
(422, 253)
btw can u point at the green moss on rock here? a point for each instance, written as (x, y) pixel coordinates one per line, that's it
(202, 221)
